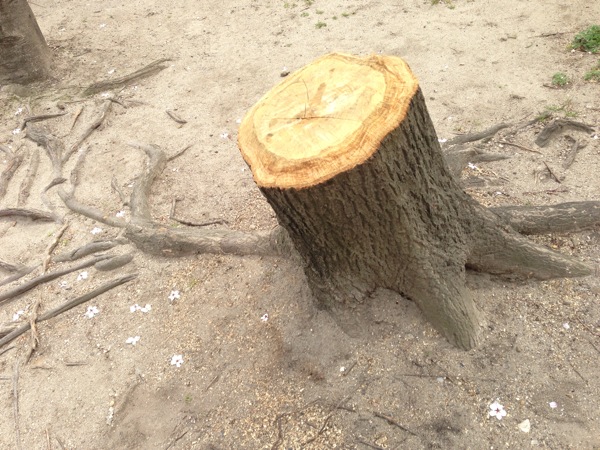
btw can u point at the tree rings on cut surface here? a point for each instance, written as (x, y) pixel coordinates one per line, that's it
(325, 119)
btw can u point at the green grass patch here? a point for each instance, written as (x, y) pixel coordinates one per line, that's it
(593, 74)
(560, 79)
(564, 110)
(588, 40)
(448, 3)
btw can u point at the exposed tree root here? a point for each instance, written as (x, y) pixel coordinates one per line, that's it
(113, 263)
(18, 443)
(154, 238)
(492, 248)
(89, 129)
(458, 158)
(512, 255)
(33, 214)
(8, 267)
(147, 71)
(139, 203)
(53, 146)
(14, 161)
(88, 249)
(558, 125)
(464, 138)
(11, 294)
(570, 159)
(159, 240)
(29, 178)
(19, 271)
(559, 218)
(67, 306)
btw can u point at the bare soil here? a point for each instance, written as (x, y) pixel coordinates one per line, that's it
(295, 380)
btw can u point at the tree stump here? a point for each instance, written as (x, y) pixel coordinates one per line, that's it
(24, 55)
(345, 152)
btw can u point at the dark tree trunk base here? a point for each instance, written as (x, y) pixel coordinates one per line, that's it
(24, 55)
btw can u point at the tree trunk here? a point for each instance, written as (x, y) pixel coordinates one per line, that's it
(345, 152)
(24, 55)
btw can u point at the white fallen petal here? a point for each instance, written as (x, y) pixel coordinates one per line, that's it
(177, 360)
(525, 426)
(132, 340)
(91, 311)
(82, 276)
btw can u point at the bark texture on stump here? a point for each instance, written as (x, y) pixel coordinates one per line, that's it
(24, 55)
(345, 152)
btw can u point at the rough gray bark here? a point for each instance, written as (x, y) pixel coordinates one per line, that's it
(24, 55)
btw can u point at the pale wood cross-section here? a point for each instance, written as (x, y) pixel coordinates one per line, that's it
(325, 119)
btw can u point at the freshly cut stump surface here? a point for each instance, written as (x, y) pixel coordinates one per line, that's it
(325, 119)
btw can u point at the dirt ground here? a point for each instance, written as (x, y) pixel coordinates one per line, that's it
(294, 380)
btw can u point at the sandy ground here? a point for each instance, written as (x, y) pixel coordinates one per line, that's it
(295, 380)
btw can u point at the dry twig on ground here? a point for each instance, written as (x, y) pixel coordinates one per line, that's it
(175, 117)
(394, 422)
(52, 246)
(522, 147)
(40, 118)
(552, 172)
(35, 337)
(575, 147)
